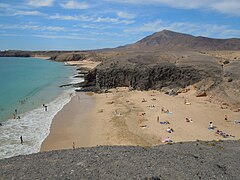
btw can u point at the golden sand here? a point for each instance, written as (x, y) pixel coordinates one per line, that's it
(121, 118)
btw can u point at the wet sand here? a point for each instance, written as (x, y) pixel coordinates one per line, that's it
(71, 124)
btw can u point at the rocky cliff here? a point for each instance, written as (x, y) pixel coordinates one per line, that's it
(148, 72)
(144, 77)
(54, 55)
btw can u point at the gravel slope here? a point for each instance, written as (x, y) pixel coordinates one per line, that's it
(194, 160)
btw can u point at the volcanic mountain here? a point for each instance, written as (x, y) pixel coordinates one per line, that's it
(169, 40)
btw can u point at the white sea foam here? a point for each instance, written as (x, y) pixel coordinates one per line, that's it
(34, 127)
(76, 80)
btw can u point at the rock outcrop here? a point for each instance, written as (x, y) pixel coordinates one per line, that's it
(144, 77)
(144, 73)
(192, 160)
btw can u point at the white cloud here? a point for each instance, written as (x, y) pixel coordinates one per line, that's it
(91, 26)
(230, 7)
(75, 5)
(113, 20)
(68, 17)
(40, 3)
(28, 13)
(125, 15)
(32, 27)
(227, 7)
(73, 36)
(64, 17)
(209, 30)
(65, 37)
(83, 18)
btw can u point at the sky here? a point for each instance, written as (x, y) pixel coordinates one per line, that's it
(96, 24)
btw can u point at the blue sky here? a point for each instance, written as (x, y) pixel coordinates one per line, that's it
(93, 24)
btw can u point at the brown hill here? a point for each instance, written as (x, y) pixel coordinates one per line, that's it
(169, 40)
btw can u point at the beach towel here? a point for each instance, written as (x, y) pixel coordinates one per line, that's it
(164, 122)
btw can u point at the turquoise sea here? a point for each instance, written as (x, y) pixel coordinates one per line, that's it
(26, 84)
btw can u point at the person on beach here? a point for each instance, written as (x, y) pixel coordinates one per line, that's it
(169, 130)
(158, 119)
(14, 116)
(162, 110)
(16, 111)
(210, 126)
(189, 120)
(73, 145)
(226, 119)
(167, 139)
(186, 102)
(21, 139)
(45, 107)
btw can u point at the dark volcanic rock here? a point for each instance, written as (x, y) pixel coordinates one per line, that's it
(194, 160)
(15, 54)
(143, 76)
(69, 57)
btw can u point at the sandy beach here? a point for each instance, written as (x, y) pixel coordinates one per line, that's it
(121, 118)
(85, 63)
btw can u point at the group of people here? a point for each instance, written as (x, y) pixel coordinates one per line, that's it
(223, 134)
(45, 107)
(188, 120)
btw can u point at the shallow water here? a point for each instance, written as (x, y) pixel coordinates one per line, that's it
(26, 84)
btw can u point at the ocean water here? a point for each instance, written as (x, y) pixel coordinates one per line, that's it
(26, 84)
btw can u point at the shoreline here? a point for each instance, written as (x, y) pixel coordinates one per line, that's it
(120, 118)
(58, 120)
(42, 57)
(67, 127)
(33, 126)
